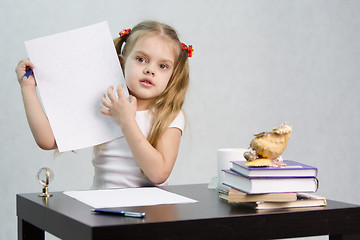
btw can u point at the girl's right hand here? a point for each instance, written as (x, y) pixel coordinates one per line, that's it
(21, 68)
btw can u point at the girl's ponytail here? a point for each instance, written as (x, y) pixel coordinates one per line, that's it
(120, 41)
(118, 44)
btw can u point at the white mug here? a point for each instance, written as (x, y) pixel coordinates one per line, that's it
(224, 158)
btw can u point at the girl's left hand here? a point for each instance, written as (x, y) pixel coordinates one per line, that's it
(119, 108)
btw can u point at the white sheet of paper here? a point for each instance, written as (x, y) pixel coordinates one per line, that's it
(128, 197)
(73, 70)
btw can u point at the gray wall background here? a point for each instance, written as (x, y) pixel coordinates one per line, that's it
(256, 64)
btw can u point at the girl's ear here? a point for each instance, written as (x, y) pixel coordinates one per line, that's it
(122, 62)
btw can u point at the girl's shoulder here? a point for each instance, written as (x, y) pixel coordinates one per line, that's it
(179, 121)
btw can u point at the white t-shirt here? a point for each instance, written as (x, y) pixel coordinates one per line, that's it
(114, 163)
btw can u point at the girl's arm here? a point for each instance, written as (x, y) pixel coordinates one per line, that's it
(38, 122)
(157, 163)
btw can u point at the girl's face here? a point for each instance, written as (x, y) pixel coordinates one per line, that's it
(148, 68)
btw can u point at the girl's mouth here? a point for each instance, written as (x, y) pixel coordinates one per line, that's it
(146, 83)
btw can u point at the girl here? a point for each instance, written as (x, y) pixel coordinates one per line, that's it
(155, 66)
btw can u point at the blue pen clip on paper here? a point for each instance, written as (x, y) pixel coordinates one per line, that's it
(120, 213)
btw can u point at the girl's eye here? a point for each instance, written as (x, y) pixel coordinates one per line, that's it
(163, 66)
(140, 59)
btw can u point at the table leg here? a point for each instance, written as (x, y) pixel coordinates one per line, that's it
(355, 236)
(27, 231)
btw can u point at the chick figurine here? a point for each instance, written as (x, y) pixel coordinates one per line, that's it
(267, 147)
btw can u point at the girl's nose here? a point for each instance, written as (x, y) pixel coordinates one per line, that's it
(149, 70)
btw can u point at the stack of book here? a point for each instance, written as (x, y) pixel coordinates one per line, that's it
(272, 187)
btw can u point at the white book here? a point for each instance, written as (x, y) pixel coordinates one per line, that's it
(257, 185)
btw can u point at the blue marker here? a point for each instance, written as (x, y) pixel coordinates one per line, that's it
(27, 74)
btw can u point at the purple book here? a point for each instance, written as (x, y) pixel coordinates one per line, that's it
(292, 169)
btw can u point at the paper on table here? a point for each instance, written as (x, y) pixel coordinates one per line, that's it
(73, 70)
(128, 197)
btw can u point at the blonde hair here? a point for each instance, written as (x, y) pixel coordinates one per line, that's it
(168, 104)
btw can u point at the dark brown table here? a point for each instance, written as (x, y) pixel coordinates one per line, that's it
(210, 218)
